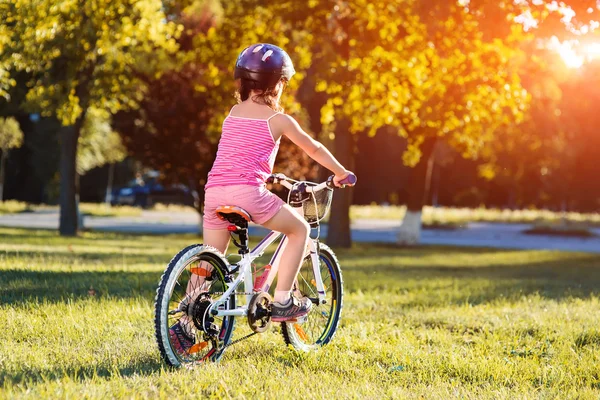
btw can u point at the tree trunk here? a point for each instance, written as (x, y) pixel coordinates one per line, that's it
(338, 234)
(2, 169)
(109, 184)
(69, 136)
(419, 182)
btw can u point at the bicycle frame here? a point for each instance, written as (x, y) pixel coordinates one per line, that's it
(245, 273)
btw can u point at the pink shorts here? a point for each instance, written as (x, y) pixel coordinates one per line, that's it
(258, 201)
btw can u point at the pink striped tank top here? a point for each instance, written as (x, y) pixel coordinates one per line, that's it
(246, 153)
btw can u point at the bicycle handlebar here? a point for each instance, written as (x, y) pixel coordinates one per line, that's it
(287, 182)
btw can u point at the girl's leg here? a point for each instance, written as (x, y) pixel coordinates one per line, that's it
(297, 231)
(217, 238)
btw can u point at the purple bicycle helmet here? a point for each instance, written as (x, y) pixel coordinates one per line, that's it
(264, 64)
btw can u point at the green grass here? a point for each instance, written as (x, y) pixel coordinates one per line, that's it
(430, 322)
(92, 209)
(461, 216)
(102, 210)
(13, 206)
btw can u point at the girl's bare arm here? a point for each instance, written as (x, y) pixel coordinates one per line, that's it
(313, 148)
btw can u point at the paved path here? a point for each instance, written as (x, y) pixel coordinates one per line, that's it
(477, 234)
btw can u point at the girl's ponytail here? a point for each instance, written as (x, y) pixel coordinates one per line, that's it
(266, 96)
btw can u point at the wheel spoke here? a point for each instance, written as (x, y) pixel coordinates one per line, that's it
(309, 287)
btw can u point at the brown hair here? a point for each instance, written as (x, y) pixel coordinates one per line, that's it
(266, 96)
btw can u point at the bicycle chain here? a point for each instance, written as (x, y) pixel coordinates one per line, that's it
(235, 293)
(239, 340)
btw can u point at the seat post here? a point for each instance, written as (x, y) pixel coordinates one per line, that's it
(242, 232)
(239, 219)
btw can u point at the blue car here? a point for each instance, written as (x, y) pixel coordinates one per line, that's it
(148, 191)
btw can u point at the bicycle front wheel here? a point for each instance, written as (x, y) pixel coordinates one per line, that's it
(323, 320)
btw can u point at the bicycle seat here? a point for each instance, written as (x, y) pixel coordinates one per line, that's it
(236, 215)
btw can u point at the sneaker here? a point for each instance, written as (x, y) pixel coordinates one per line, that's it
(180, 339)
(293, 309)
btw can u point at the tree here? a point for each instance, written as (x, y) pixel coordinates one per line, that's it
(458, 66)
(360, 69)
(11, 137)
(473, 90)
(82, 54)
(479, 50)
(178, 124)
(175, 128)
(521, 154)
(536, 160)
(170, 130)
(382, 64)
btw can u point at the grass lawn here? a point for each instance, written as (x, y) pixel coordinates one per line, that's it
(92, 209)
(431, 322)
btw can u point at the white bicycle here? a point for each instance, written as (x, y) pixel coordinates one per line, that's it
(209, 306)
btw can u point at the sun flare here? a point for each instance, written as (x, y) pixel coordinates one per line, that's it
(574, 53)
(571, 58)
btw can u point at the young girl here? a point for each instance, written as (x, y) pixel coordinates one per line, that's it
(245, 158)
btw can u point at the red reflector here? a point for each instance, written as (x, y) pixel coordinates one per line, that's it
(232, 228)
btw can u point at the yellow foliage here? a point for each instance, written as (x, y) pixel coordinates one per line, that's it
(487, 171)
(82, 54)
(380, 66)
(377, 62)
(98, 143)
(11, 135)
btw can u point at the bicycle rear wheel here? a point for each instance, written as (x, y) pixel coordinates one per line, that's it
(181, 299)
(323, 320)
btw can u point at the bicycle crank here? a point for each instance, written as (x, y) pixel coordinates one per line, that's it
(259, 312)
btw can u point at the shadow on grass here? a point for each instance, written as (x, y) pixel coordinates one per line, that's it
(432, 275)
(442, 283)
(22, 286)
(431, 284)
(143, 367)
(14, 234)
(110, 259)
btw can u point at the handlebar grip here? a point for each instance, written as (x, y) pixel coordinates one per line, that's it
(349, 180)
